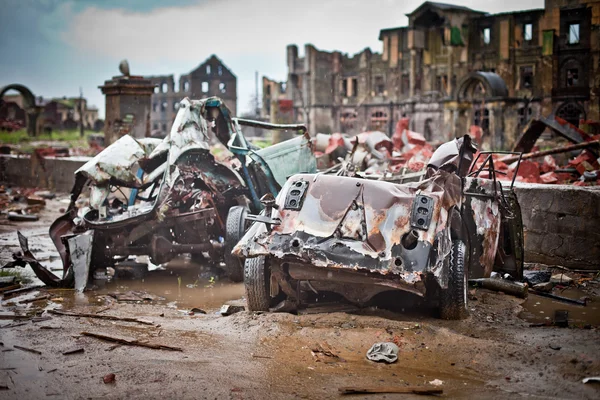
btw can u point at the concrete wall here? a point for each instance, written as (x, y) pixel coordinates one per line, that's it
(562, 224)
(58, 174)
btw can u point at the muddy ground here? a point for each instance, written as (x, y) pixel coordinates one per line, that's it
(495, 353)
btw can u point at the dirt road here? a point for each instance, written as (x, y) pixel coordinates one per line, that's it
(493, 354)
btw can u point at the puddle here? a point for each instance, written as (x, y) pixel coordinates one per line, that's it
(538, 309)
(183, 288)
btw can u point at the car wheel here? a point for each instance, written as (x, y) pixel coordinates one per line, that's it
(257, 279)
(234, 230)
(453, 299)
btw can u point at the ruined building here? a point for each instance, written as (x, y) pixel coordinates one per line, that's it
(53, 114)
(450, 68)
(211, 78)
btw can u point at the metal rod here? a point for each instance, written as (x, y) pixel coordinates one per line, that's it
(278, 127)
(536, 154)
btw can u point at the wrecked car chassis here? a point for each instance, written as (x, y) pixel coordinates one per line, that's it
(164, 198)
(359, 237)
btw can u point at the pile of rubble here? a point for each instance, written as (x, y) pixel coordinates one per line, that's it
(375, 153)
(408, 152)
(23, 204)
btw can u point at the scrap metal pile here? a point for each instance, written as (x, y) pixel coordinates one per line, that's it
(405, 155)
(375, 155)
(576, 163)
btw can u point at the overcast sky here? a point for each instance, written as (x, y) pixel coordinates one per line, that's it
(57, 46)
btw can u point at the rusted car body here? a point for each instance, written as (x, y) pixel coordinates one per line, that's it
(359, 237)
(175, 196)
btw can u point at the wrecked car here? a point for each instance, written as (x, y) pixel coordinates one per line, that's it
(162, 198)
(359, 237)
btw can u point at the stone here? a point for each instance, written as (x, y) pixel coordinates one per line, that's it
(536, 277)
(227, 309)
(543, 287)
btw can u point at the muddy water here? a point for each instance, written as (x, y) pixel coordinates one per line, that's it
(183, 289)
(538, 309)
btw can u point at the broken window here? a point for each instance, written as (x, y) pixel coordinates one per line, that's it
(573, 33)
(354, 87)
(222, 87)
(344, 87)
(379, 86)
(487, 35)
(405, 83)
(481, 118)
(379, 120)
(220, 70)
(165, 88)
(526, 73)
(347, 121)
(524, 115)
(268, 91)
(572, 77)
(283, 87)
(163, 106)
(208, 70)
(186, 86)
(204, 87)
(528, 32)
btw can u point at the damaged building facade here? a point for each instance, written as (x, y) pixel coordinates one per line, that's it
(211, 78)
(452, 67)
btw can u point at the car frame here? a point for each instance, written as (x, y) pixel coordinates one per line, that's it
(360, 237)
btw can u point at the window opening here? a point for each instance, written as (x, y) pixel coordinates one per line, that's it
(527, 77)
(573, 33)
(487, 35)
(572, 77)
(528, 32)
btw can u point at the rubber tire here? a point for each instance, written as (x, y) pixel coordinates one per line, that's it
(234, 230)
(453, 300)
(257, 280)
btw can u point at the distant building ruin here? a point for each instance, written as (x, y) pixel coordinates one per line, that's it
(211, 78)
(51, 114)
(450, 68)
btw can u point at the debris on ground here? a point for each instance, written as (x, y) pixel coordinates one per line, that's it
(101, 316)
(591, 379)
(7, 281)
(131, 342)
(436, 382)
(73, 351)
(325, 353)
(560, 298)
(109, 378)
(534, 277)
(501, 285)
(385, 351)
(228, 309)
(27, 349)
(135, 296)
(390, 389)
(561, 279)
(21, 216)
(543, 287)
